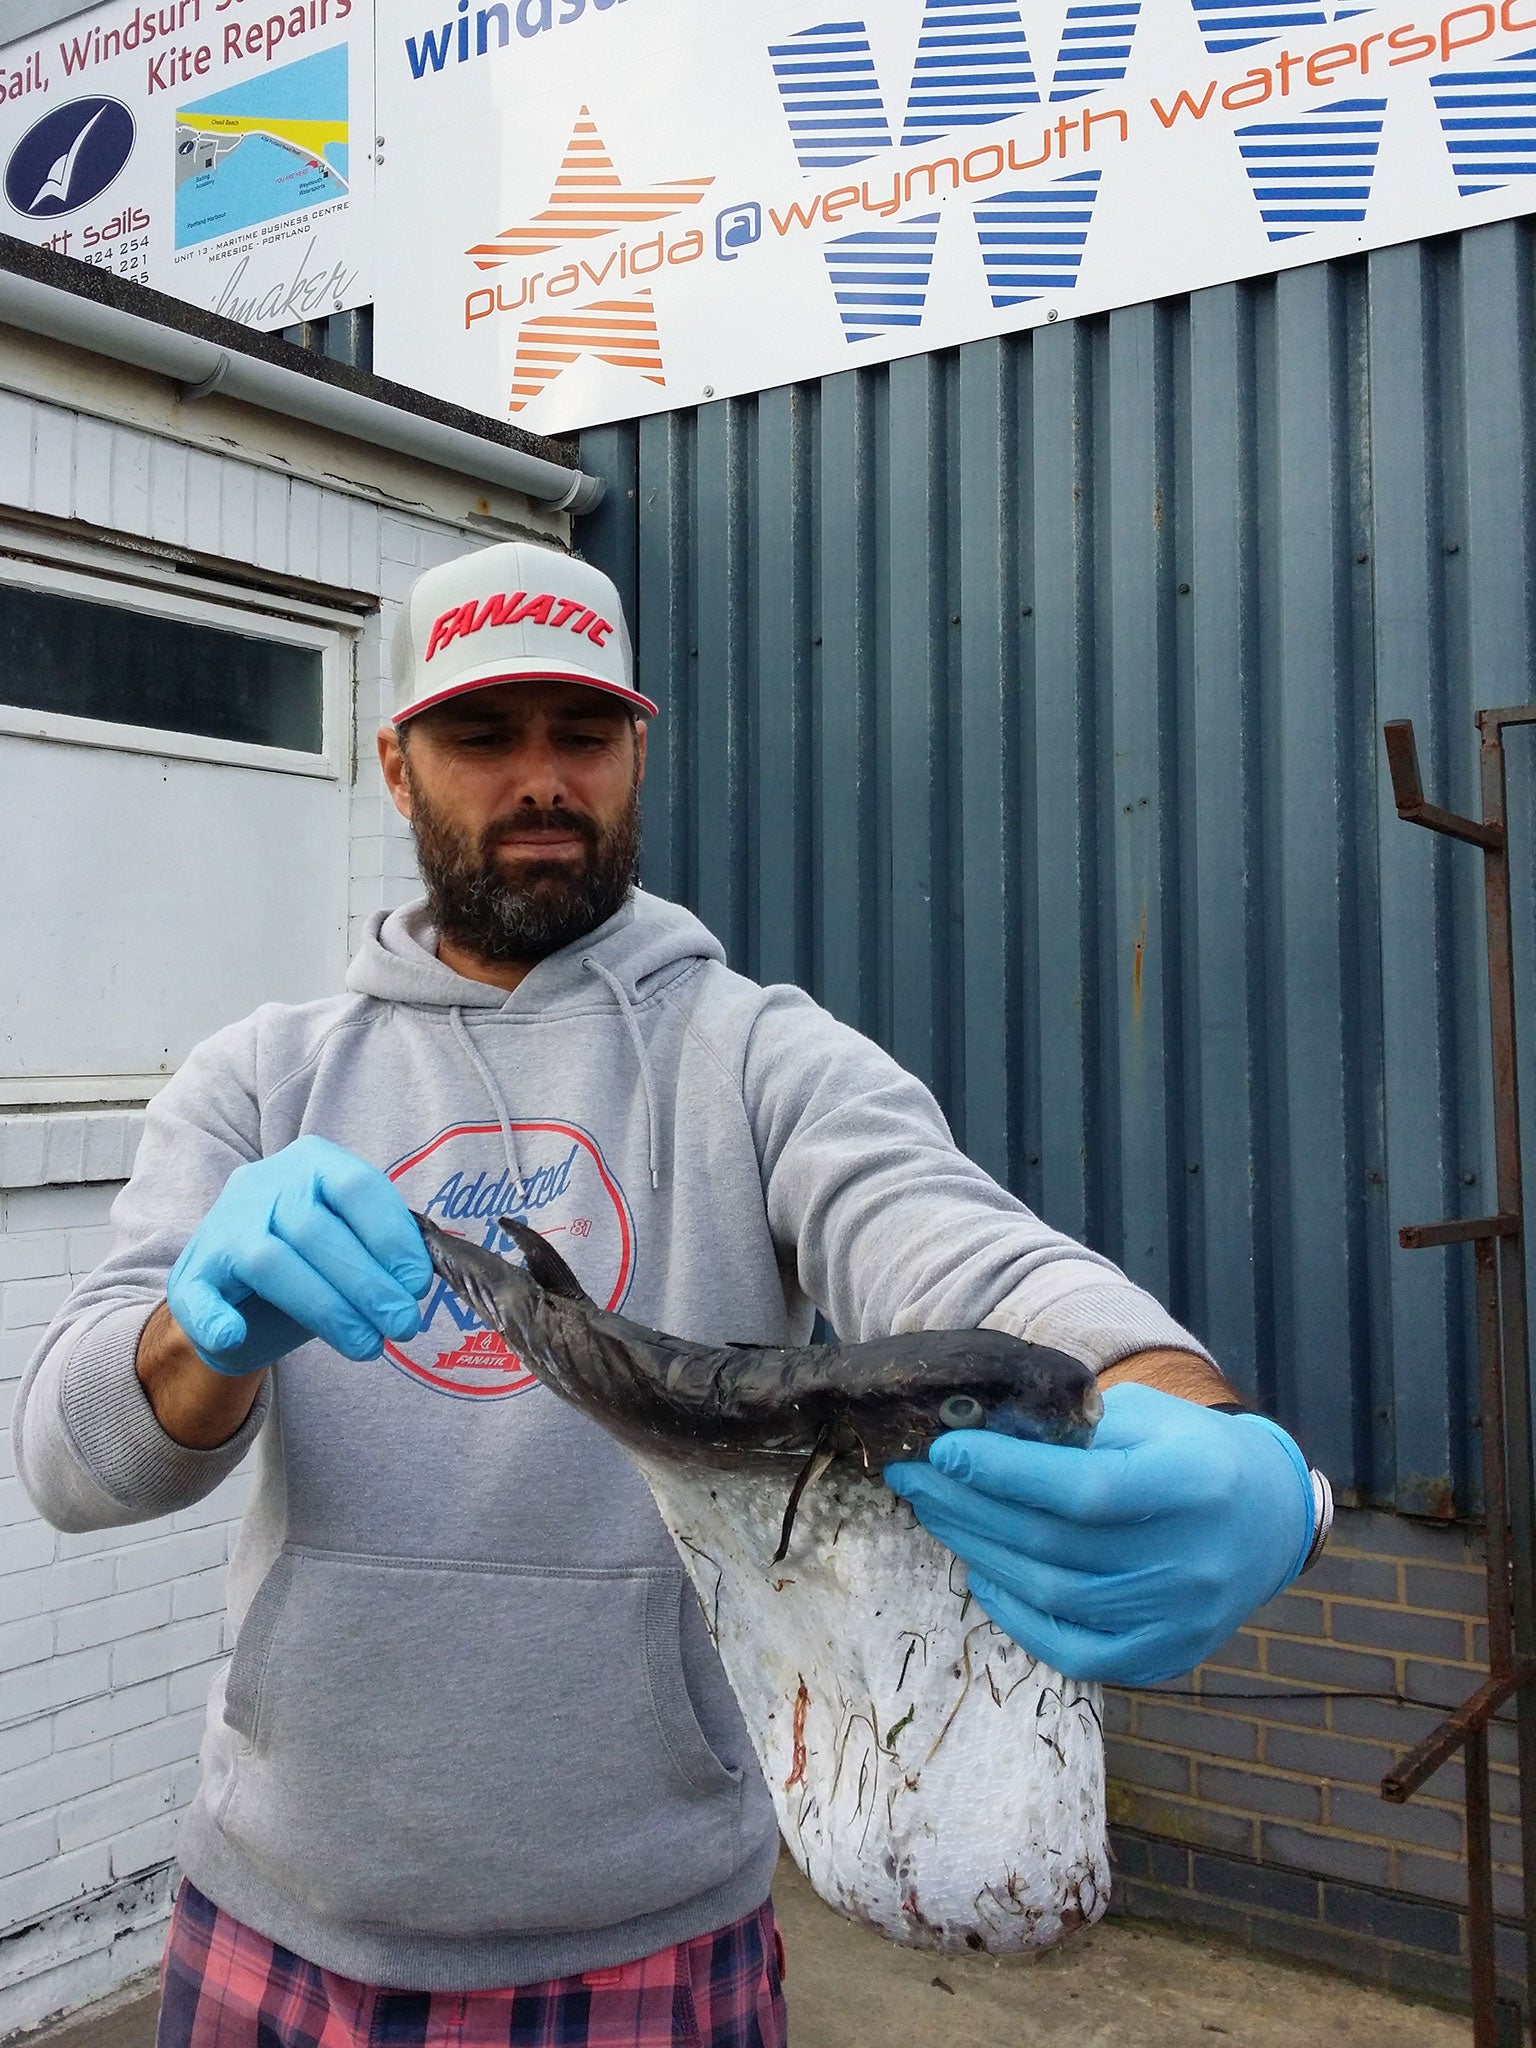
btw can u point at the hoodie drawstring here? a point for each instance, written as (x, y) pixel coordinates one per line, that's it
(626, 1010)
(481, 1066)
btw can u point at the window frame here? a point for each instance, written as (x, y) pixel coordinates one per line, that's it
(166, 596)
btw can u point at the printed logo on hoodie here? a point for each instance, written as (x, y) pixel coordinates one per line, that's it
(563, 1186)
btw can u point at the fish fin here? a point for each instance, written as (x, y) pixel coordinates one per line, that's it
(469, 1269)
(823, 1451)
(545, 1263)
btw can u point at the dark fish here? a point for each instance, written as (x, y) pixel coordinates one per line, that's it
(807, 1405)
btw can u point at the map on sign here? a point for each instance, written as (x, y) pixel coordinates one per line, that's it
(255, 152)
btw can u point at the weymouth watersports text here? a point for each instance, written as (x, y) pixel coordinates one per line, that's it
(1079, 134)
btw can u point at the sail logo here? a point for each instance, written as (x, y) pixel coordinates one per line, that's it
(69, 158)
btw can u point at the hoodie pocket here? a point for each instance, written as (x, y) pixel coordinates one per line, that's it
(473, 1749)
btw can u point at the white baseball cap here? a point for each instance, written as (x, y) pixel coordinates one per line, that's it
(515, 610)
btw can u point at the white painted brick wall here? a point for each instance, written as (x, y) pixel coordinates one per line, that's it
(108, 1644)
(109, 1641)
(383, 852)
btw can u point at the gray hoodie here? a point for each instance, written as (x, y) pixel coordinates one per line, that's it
(473, 1732)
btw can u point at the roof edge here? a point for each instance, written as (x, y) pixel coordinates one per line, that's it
(203, 352)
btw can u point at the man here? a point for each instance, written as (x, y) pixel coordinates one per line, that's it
(473, 1736)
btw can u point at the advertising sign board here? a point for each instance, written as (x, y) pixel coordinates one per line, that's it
(219, 150)
(602, 208)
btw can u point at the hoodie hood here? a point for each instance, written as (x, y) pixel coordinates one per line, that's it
(641, 949)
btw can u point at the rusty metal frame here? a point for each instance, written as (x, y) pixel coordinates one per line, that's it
(1509, 1495)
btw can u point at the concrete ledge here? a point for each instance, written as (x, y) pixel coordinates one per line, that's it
(83, 1950)
(1397, 1943)
(68, 1147)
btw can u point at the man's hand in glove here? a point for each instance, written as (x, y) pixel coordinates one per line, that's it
(1134, 1559)
(311, 1242)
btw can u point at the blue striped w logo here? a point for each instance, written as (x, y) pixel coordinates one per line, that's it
(972, 66)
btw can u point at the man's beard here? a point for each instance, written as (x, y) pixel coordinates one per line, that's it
(478, 903)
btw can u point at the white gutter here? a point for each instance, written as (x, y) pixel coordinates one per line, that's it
(201, 367)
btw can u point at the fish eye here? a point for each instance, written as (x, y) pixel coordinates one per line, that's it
(961, 1411)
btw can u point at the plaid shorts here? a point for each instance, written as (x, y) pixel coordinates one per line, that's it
(224, 1986)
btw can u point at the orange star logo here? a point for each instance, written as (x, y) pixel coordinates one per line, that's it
(589, 200)
(617, 331)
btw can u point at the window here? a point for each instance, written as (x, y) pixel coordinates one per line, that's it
(158, 668)
(101, 661)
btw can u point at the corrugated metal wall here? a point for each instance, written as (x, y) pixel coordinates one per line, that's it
(1024, 703)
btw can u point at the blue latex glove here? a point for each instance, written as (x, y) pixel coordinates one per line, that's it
(1134, 1559)
(311, 1242)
